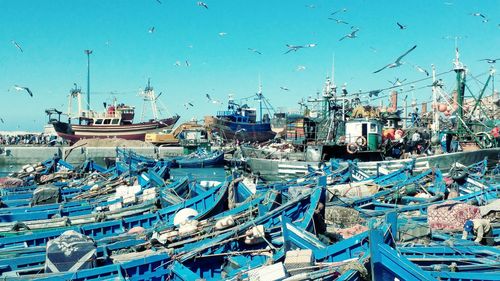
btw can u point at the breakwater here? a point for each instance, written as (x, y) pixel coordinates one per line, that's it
(20, 155)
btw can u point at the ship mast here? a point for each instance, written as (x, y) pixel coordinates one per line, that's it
(149, 96)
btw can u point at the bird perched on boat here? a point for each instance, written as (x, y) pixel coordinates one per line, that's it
(151, 30)
(350, 35)
(490, 60)
(485, 19)
(397, 62)
(284, 88)
(341, 10)
(17, 46)
(255, 51)
(338, 20)
(401, 26)
(202, 4)
(21, 88)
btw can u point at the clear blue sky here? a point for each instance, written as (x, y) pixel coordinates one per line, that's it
(53, 35)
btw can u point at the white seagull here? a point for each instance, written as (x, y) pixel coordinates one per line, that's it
(401, 26)
(350, 35)
(255, 51)
(21, 88)
(17, 45)
(221, 34)
(151, 30)
(338, 21)
(300, 68)
(421, 70)
(284, 88)
(212, 100)
(485, 19)
(202, 4)
(295, 48)
(490, 60)
(397, 62)
(341, 10)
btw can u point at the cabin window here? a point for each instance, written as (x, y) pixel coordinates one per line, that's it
(107, 121)
(98, 121)
(373, 128)
(115, 121)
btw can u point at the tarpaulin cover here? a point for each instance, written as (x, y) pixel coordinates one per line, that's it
(451, 215)
(46, 194)
(10, 182)
(71, 251)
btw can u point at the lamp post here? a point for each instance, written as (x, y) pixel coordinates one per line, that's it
(88, 52)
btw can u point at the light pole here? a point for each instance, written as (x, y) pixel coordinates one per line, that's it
(88, 52)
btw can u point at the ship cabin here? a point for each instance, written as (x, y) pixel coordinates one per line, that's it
(364, 134)
(237, 113)
(114, 116)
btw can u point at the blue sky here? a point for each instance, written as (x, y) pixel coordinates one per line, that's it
(53, 35)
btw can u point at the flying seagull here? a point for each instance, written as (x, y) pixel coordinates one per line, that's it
(341, 10)
(485, 19)
(397, 62)
(295, 48)
(188, 104)
(401, 26)
(21, 88)
(374, 93)
(338, 21)
(151, 30)
(284, 89)
(1, 120)
(221, 34)
(490, 60)
(422, 70)
(202, 4)
(396, 82)
(300, 68)
(212, 100)
(159, 2)
(255, 51)
(311, 6)
(177, 63)
(17, 45)
(350, 35)
(187, 63)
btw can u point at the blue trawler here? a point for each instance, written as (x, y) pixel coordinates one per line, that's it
(239, 122)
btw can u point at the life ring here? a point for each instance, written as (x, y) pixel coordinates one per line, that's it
(352, 148)
(361, 141)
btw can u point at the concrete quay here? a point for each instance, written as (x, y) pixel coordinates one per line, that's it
(20, 155)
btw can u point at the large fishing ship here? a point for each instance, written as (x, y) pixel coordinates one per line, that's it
(239, 122)
(117, 121)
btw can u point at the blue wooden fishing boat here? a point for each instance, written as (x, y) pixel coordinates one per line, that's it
(200, 159)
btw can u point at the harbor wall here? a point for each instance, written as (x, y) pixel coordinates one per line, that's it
(20, 155)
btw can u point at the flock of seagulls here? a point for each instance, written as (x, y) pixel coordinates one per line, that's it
(335, 16)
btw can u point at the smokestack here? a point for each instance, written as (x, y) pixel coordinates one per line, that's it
(394, 100)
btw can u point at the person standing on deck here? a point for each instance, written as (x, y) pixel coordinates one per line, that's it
(482, 229)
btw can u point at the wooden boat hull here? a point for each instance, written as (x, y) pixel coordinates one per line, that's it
(243, 132)
(282, 168)
(74, 132)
